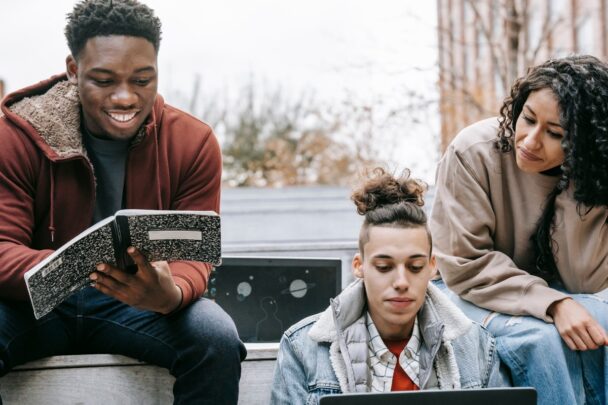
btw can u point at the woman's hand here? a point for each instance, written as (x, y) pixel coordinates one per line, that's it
(576, 326)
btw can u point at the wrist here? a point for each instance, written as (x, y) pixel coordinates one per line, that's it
(175, 301)
(555, 305)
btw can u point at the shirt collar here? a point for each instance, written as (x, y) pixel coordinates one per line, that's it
(377, 346)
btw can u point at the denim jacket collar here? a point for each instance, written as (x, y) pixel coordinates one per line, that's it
(349, 306)
(342, 325)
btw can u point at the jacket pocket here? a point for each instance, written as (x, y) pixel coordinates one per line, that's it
(315, 392)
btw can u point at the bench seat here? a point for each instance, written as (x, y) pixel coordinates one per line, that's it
(105, 379)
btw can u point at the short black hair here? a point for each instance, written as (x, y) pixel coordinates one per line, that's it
(92, 18)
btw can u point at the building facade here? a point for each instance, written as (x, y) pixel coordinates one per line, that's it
(484, 45)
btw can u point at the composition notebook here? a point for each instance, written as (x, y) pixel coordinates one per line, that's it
(159, 235)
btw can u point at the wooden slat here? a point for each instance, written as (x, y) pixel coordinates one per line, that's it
(88, 385)
(261, 351)
(255, 351)
(106, 379)
(80, 360)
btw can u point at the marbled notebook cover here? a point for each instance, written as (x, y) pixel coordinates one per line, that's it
(159, 235)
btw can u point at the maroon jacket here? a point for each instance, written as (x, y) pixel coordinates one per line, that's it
(47, 184)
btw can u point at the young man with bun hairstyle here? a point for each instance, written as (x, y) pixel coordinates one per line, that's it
(390, 330)
(75, 149)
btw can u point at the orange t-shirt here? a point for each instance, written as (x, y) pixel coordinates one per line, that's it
(401, 381)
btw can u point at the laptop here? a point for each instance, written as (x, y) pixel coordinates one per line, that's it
(493, 396)
(266, 295)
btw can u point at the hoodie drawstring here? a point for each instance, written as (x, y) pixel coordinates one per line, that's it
(52, 198)
(159, 201)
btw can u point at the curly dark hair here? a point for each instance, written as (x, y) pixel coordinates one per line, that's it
(580, 84)
(92, 18)
(392, 201)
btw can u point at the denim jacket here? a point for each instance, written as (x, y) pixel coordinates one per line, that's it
(327, 353)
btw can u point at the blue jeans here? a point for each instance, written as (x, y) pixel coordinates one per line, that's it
(199, 344)
(537, 355)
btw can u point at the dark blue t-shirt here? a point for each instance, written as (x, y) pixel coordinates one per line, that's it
(109, 159)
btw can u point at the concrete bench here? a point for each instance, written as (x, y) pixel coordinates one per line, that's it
(112, 379)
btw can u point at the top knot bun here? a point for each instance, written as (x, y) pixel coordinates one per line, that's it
(381, 189)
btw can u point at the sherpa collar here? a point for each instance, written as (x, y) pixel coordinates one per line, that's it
(349, 305)
(55, 115)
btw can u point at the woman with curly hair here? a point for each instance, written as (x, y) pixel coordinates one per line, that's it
(521, 233)
(390, 330)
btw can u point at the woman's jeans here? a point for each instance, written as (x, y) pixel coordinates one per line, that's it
(537, 355)
(198, 344)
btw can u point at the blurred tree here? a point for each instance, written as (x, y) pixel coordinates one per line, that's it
(272, 140)
(484, 45)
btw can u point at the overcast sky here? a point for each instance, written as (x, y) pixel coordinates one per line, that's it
(371, 49)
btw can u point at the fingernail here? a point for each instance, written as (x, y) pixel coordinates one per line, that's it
(93, 276)
(131, 249)
(101, 267)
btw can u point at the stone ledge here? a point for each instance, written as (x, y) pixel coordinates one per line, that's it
(107, 379)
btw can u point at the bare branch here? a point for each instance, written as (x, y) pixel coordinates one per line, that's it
(547, 31)
(488, 35)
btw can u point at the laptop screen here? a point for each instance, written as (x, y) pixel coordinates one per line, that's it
(493, 396)
(265, 296)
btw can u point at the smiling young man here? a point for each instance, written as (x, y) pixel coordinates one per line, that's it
(390, 330)
(75, 149)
